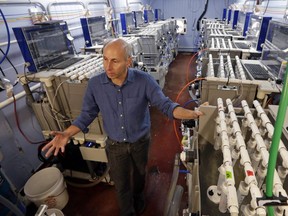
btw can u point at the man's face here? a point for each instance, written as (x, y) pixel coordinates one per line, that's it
(115, 62)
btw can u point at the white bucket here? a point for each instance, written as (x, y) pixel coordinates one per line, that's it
(54, 212)
(47, 186)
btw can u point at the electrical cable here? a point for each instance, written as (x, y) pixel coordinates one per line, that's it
(6, 56)
(8, 35)
(18, 124)
(178, 96)
(188, 102)
(229, 74)
(44, 116)
(266, 7)
(202, 15)
(26, 77)
(56, 113)
(238, 96)
(2, 72)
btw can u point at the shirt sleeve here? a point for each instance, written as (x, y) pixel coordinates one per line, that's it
(89, 109)
(157, 98)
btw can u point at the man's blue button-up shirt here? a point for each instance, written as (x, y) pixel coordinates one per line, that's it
(125, 109)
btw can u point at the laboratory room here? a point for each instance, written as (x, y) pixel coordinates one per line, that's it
(143, 107)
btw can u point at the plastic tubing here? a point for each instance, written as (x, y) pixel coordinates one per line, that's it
(275, 140)
(11, 206)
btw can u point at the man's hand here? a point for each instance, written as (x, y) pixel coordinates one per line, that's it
(182, 113)
(59, 141)
(196, 114)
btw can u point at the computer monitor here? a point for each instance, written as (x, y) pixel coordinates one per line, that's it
(127, 22)
(148, 16)
(278, 35)
(94, 30)
(158, 14)
(243, 22)
(257, 30)
(139, 19)
(43, 45)
(276, 43)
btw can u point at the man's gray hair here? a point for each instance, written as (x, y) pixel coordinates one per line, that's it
(126, 46)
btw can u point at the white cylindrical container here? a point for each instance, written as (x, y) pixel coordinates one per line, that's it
(47, 186)
(54, 212)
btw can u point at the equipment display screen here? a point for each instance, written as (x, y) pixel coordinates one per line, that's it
(139, 18)
(97, 29)
(278, 35)
(241, 21)
(47, 44)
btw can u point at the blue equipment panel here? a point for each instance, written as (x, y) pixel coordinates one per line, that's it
(224, 14)
(127, 22)
(246, 24)
(229, 16)
(148, 16)
(157, 14)
(235, 19)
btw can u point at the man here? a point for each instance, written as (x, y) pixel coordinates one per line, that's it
(123, 96)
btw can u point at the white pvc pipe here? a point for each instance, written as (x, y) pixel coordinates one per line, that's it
(17, 96)
(232, 201)
(250, 179)
(270, 128)
(230, 44)
(230, 67)
(218, 43)
(5, 43)
(223, 199)
(240, 68)
(212, 43)
(256, 193)
(210, 72)
(256, 134)
(229, 194)
(221, 72)
(223, 43)
(242, 192)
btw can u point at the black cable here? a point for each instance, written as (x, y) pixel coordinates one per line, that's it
(228, 79)
(227, 83)
(26, 77)
(2, 72)
(202, 15)
(44, 116)
(9, 61)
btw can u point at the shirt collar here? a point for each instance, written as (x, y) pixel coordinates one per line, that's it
(130, 78)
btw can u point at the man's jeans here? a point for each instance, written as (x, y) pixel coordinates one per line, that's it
(124, 159)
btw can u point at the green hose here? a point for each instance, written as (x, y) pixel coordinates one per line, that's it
(275, 141)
